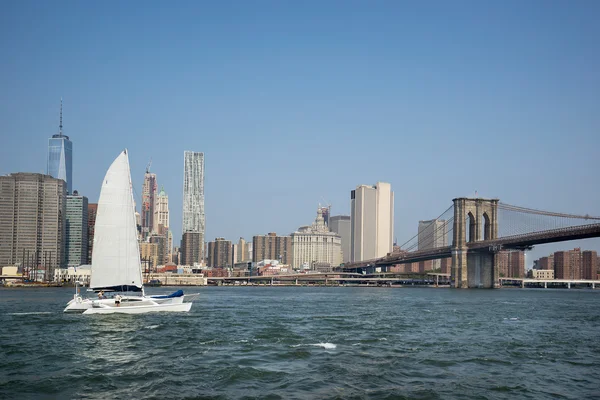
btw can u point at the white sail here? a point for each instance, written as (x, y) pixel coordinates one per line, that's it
(115, 256)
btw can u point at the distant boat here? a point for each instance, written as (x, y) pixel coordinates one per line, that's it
(154, 283)
(116, 265)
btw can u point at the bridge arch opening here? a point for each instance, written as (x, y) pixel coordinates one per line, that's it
(487, 227)
(472, 224)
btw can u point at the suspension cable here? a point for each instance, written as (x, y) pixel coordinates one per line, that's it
(509, 207)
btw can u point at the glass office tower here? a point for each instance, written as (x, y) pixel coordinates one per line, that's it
(60, 157)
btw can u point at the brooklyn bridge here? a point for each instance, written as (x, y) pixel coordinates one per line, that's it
(472, 231)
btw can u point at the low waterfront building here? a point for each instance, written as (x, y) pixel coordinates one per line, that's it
(543, 273)
(10, 274)
(185, 279)
(81, 274)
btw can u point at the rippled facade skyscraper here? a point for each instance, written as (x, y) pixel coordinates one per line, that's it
(60, 157)
(193, 195)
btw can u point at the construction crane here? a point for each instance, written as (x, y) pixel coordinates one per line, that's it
(328, 207)
(148, 166)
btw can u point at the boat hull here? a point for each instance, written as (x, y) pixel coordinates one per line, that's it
(79, 305)
(139, 309)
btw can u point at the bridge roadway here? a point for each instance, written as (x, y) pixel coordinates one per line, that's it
(335, 277)
(508, 242)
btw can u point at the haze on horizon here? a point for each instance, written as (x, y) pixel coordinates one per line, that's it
(295, 104)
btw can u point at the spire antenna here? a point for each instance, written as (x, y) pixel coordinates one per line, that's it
(60, 126)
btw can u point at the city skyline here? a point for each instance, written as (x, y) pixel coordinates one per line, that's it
(509, 116)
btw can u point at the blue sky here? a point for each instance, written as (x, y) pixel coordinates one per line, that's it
(296, 103)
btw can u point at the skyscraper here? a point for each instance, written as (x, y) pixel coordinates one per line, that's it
(92, 209)
(372, 221)
(272, 247)
(32, 222)
(589, 264)
(241, 251)
(148, 203)
(161, 213)
(76, 248)
(162, 252)
(191, 248)
(433, 234)
(193, 197)
(60, 156)
(219, 253)
(340, 224)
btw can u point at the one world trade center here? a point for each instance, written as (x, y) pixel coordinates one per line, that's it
(60, 156)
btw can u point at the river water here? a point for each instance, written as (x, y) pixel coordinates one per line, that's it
(308, 343)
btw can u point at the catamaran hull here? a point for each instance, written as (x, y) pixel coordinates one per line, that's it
(141, 309)
(81, 305)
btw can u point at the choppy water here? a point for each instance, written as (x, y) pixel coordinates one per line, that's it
(308, 343)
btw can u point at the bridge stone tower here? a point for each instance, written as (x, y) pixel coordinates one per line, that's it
(474, 269)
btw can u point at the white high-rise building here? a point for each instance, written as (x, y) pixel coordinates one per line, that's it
(244, 252)
(193, 194)
(315, 244)
(372, 221)
(161, 211)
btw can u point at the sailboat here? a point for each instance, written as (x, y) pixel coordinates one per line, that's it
(116, 264)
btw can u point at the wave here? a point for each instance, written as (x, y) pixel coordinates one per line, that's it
(152, 326)
(323, 345)
(32, 313)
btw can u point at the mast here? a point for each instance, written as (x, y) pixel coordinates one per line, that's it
(137, 243)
